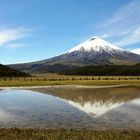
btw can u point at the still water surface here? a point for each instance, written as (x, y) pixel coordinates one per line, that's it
(74, 108)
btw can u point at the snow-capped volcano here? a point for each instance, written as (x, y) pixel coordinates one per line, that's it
(96, 45)
(94, 51)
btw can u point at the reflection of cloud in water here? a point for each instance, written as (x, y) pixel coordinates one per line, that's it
(136, 101)
(4, 115)
(96, 108)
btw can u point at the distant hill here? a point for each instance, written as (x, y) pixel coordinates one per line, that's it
(94, 51)
(106, 70)
(5, 71)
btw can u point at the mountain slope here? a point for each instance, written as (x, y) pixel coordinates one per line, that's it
(94, 51)
(9, 72)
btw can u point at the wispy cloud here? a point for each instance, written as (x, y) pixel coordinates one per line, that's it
(132, 38)
(12, 34)
(16, 45)
(104, 36)
(124, 25)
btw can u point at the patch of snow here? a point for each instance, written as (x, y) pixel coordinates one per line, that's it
(96, 44)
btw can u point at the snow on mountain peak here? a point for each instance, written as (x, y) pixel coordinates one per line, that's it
(97, 45)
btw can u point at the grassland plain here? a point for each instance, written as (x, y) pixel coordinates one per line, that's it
(62, 134)
(54, 79)
(17, 83)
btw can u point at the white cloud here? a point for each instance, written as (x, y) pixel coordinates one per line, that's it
(124, 25)
(104, 36)
(8, 35)
(15, 45)
(136, 51)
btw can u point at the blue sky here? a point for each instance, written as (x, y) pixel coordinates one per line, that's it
(33, 30)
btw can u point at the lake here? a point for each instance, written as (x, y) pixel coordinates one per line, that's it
(71, 108)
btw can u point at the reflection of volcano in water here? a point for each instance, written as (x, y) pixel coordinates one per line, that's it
(97, 108)
(95, 101)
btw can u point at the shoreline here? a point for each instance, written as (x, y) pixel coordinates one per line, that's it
(66, 86)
